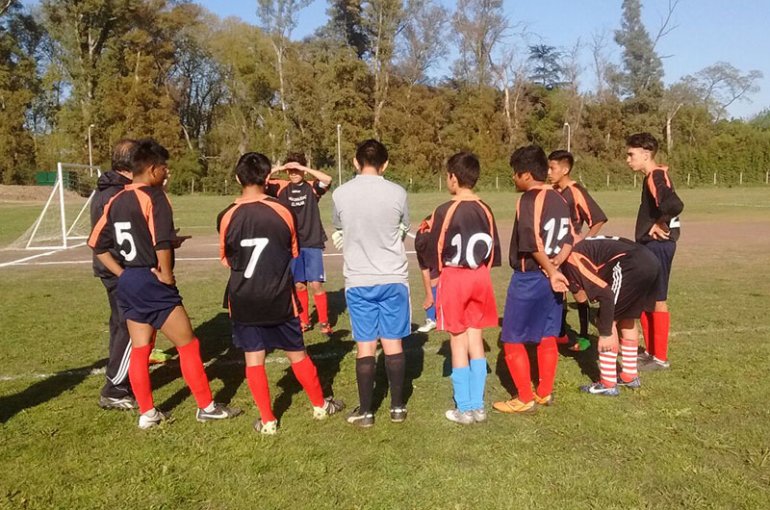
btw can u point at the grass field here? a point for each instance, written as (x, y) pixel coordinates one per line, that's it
(697, 436)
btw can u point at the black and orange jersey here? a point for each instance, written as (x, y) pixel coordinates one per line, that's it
(422, 241)
(659, 203)
(135, 222)
(583, 209)
(257, 241)
(542, 224)
(463, 233)
(303, 200)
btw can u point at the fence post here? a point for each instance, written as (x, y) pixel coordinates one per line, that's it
(740, 178)
(715, 178)
(608, 180)
(439, 183)
(635, 180)
(767, 177)
(192, 186)
(497, 182)
(225, 186)
(688, 179)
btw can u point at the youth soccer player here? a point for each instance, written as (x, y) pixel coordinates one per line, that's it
(583, 210)
(464, 246)
(257, 241)
(308, 268)
(371, 216)
(657, 228)
(621, 275)
(138, 224)
(429, 274)
(533, 306)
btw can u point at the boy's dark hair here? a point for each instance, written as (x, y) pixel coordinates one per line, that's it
(121, 155)
(371, 153)
(530, 159)
(147, 152)
(296, 157)
(643, 141)
(252, 169)
(563, 156)
(465, 166)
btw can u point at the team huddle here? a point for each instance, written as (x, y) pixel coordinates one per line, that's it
(272, 240)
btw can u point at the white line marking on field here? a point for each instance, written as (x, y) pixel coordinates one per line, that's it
(22, 261)
(759, 206)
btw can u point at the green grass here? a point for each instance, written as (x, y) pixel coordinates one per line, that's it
(693, 437)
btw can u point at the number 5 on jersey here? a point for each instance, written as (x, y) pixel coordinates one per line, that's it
(552, 245)
(259, 244)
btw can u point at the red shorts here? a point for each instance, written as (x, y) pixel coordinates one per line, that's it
(465, 299)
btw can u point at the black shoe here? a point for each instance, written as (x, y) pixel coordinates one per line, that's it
(359, 419)
(220, 412)
(120, 403)
(398, 414)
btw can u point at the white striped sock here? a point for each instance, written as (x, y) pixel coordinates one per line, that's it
(608, 369)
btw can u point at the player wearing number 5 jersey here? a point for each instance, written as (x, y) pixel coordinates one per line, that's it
(533, 306)
(257, 241)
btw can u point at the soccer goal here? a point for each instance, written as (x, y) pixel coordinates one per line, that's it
(65, 220)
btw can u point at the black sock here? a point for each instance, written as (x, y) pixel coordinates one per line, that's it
(365, 368)
(395, 366)
(583, 312)
(563, 330)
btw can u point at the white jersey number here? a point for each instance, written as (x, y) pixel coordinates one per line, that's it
(552, 245)
(122, 235)
(259, 244)
(457, 242)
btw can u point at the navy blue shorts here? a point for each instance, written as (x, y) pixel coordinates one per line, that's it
(309, 266)
(286, 336)
(379, 311)
(145, 299)
(533, 310)
(664, 251)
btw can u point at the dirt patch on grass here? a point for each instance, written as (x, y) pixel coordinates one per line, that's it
(29, 193)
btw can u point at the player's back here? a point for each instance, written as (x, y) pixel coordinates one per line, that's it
(465, 234)
(583, 208)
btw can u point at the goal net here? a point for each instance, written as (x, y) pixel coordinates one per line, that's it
(65, 220)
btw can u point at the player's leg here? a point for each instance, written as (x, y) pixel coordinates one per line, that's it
(322, 307)
(307, 374)
(429, 305)
(584, 311)
(304, 301)
(660, 324)
(116, 392)
(363, 321)
(608, 372)
(629, 345)
(547, 352)
(461, 380)
(395, 323)
(478, 367)
(139, 368)
(256, 378)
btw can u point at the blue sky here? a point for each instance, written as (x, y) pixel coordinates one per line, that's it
(707, 31)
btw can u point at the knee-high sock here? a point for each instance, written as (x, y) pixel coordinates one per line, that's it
(307, 375)
(547, 359)
(194, 374)
(478, 382)
(395, 366)
(430, 313)
(139, 376)
(304, 315)
(648, 333)
(660, 326)
(365, 368)
(322, 305)
(260, 391)
(563, 330)
(461, 385)
(629, 351)
(518, 365)
(584, 310)
(608, 368)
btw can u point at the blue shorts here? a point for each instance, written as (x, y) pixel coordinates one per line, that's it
(664, 251)
(143, 298)
(379, 311)
(309, 266)
(286, 336)
(533, 310)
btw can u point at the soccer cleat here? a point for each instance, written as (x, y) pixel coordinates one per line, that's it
(479, 415)
(151, 418)
(581, 344)
(220, 412)
(120, 403)
(654, 364)
(633, 384)
(266, 429)
(544, 401)
(158, 356)
(397, 414)
(359, 419)
(514, 406)
(305, 327)
(644, 357)
(598, 388)
(429, 326)
(330, 407)
(326, 328)
(461, 417)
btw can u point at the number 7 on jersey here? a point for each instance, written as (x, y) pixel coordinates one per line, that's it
(259, 244)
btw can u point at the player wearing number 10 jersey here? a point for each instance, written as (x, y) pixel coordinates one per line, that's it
(257, 241)
(533, 307)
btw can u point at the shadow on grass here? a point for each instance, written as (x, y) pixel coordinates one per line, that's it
(335, 300)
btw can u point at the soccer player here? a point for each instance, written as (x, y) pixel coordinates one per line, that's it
(583, 210)
(622, 276)
(308, 268)
(657, 227)
(429, 274)
(372, 216)
(535, 300)
(257, 241)
(138, 224)
(464, 246)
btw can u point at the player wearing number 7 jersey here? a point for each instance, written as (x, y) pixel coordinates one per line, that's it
(257, 241)
(533, 307)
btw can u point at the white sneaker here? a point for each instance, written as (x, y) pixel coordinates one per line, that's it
(479, 415)
(457, 416)
(331, 406)
(151, 418)
(429, 326)
(268, 429)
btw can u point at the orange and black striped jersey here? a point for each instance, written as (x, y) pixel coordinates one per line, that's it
(583, 209)
(542, 224)
(135, 222)
(659, 203)
(463, 233)
(257, 241)
(422, 241)
(302, 199)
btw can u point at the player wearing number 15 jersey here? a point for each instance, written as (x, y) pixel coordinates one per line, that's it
(533, 306)
(257, 241)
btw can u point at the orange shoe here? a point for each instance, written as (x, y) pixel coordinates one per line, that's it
(544, 401)
(514, 406)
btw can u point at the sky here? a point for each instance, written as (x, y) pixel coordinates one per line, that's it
(707, 31)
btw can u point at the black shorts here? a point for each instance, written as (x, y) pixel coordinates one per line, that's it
(145, 299)
(664, 252)
(635, 283)
(286, 336)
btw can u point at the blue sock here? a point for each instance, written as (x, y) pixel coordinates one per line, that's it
(461, 379)
(431, 312)
(478, 380)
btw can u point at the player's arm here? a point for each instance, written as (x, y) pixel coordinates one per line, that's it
(593, 231)
(164, 272)
(558, 281)
(320, 176)
(428, 301)
(112, 265)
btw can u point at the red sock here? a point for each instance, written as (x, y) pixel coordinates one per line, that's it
(322, 307)
(257, 381)
(518, 365)
(660, 324)
(139, 376)
(629, 350)
(647, 332)
(547, 359)
(307, 375)
(194, 374)
(304, 315)
(608, 368)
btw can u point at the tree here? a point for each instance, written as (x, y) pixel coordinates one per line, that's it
(643, 68)
(346, 25)
(479, 26)
(423, 41)
(546, 65)
(722, 84)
